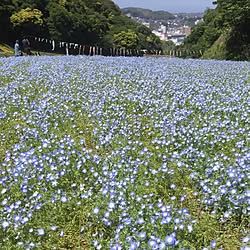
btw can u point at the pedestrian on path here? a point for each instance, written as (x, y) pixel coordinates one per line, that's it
(17, 49)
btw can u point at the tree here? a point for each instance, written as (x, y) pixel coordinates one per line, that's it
(126, 40)
(225, 27)
(6, 9)
(167, 46)
(60, 22)
(90, 22)
(233, 12)
(236, 18)
(153, 42)
(27, 21)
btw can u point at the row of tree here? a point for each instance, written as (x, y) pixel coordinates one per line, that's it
(92, 22)
(224, 31)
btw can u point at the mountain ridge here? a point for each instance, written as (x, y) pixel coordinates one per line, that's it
(147, 13)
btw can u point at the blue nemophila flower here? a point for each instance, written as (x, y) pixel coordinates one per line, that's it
(246, 239)
(4, 202)
(53, 228)
(17, 218)
(107, 214)
(4, 190)
(64, 199)
(190, 228)
(140, 221)
(116, 247)
(134, 245)
(152, 243)
(24, 220)
(116, 133)
(5, 224)
(40, 232)
(213, 244)
(162, 246)
(111, 205)
(96, 210)
(32, 244)
(245, 248)
(170, 240)
(142, 235)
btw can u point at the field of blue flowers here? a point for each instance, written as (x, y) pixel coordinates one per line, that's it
(124, 153)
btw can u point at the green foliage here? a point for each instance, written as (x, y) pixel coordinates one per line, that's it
(167, 46)
(27, 16)
(234, 12)
(6, 8)
(59, 22)
(27, 21)
(126, 40)
(152, 40)
(228, 22)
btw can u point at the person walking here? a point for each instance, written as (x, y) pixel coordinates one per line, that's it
(17, 49)
(26, 46)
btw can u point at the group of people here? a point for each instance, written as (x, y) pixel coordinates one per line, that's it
(24, 48)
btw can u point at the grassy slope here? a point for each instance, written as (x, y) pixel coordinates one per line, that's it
(6, 51)
(218, 50)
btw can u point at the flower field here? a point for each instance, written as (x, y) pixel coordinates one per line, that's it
(124, 153)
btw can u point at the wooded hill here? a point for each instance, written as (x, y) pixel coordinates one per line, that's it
(224, 32)
(148, 14)
(91, 22)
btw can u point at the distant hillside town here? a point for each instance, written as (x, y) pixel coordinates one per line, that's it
(167, 26)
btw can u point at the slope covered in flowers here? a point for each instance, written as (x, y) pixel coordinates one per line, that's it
(124, 153)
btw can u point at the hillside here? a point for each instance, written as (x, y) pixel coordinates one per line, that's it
(90, 22)
(224, 32)
(148, 14)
